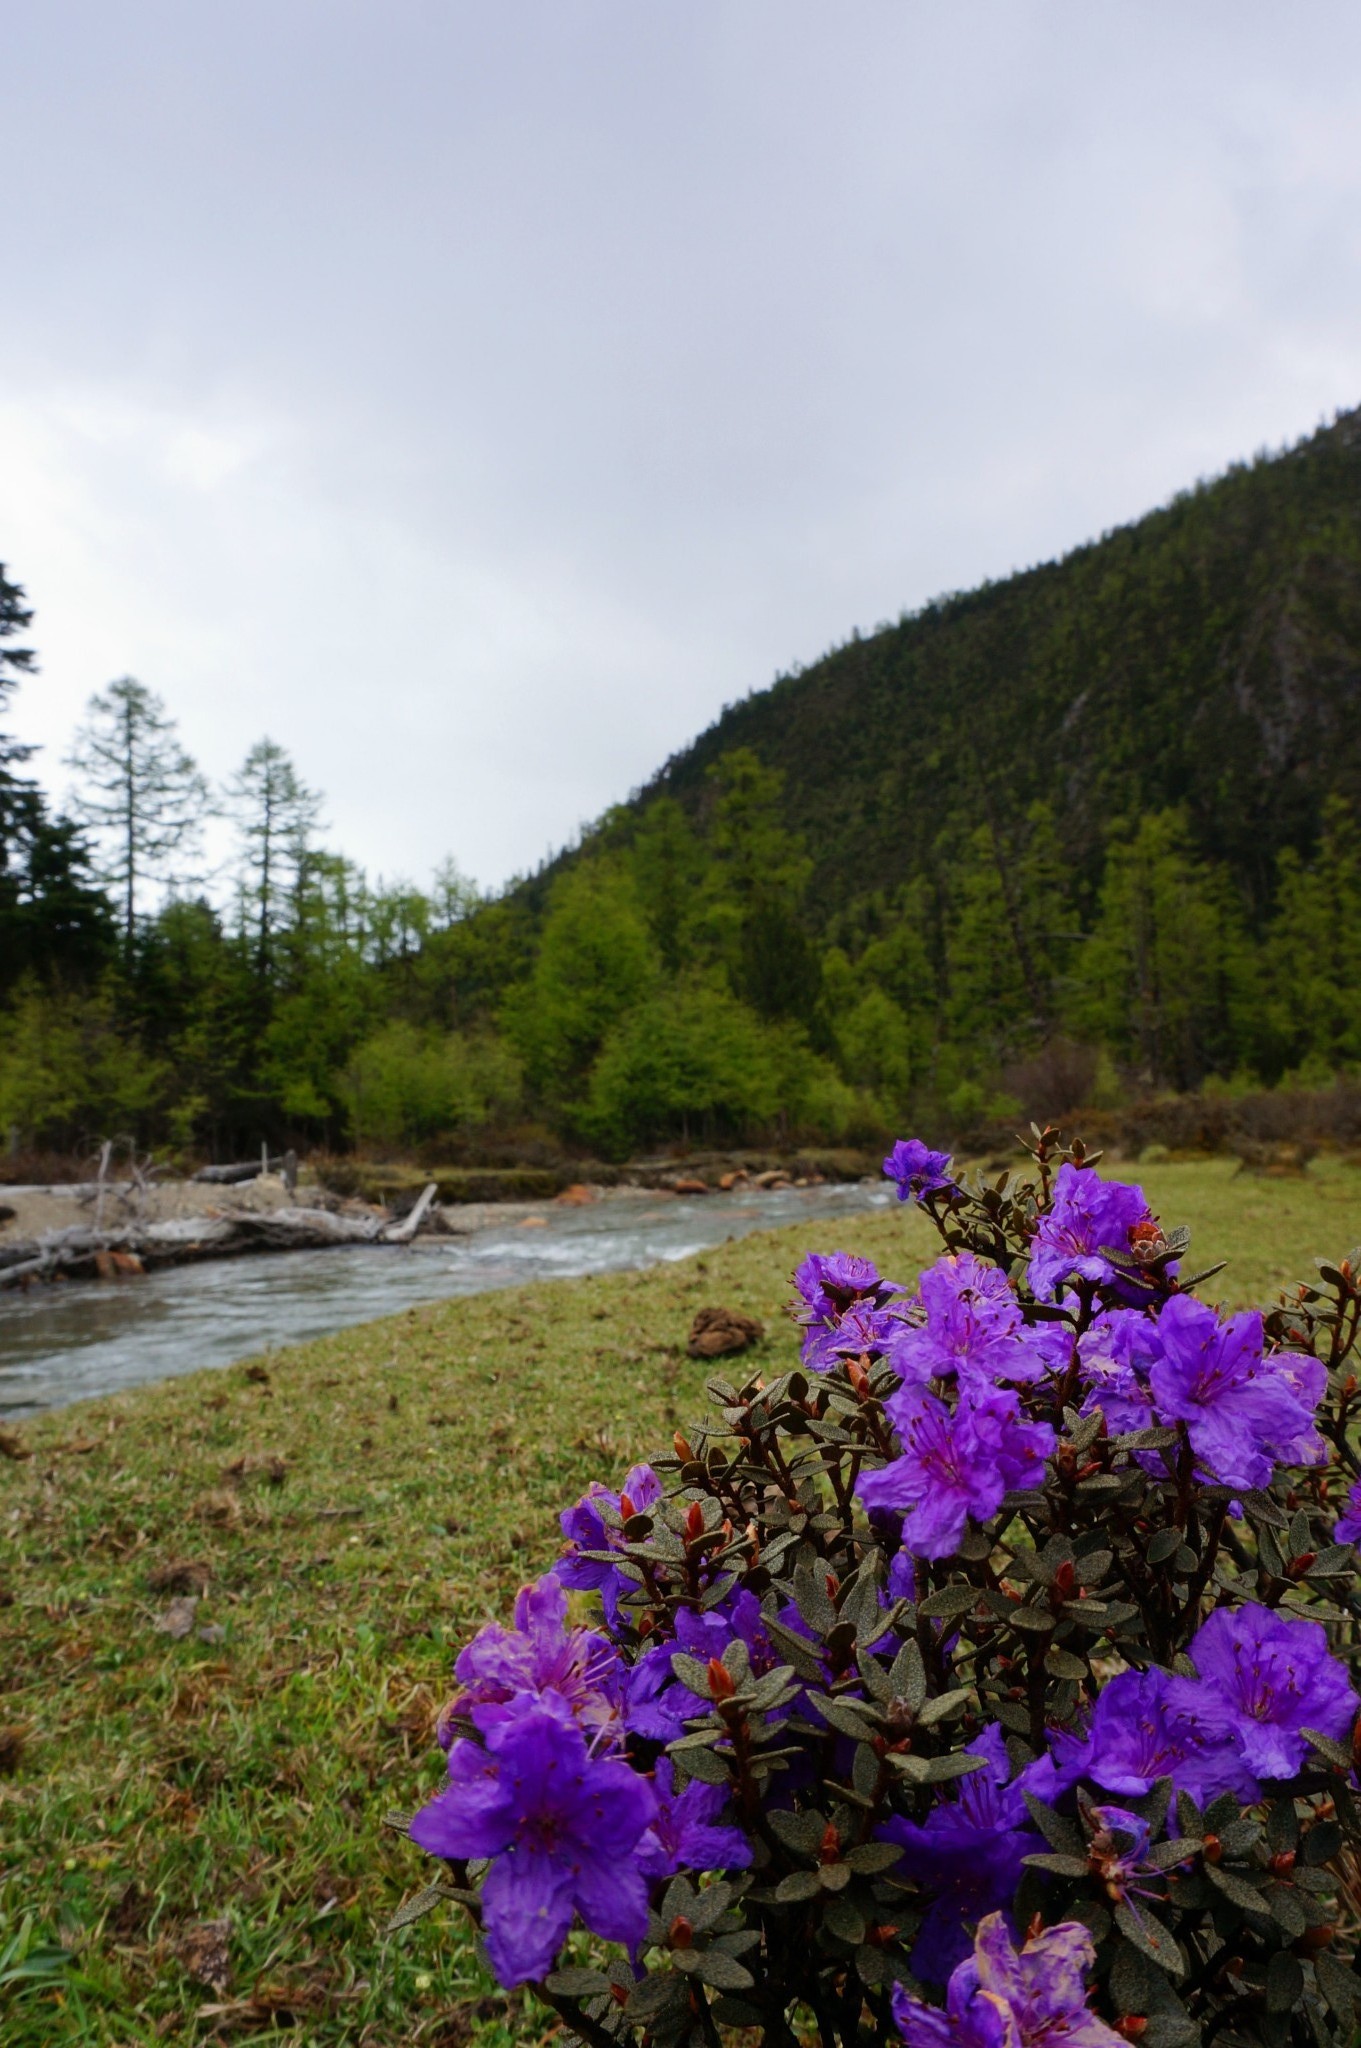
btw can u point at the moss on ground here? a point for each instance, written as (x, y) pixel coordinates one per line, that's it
(355, 1507)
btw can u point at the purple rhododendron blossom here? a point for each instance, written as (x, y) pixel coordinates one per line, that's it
(1115, 1357)
(830, 1281)
(843, 1311)
(540, 1655)
(917, 1171)
(974, 1328)
(1348, 1528)
(863, 1332)
(659, 1704)
(561, 1827)
(954, 1464)
(1243, 1412)
(585, 1530)
(1148, 1725)
(1263, 1678)
(970, 1852)
(1002, 1997)
(685, 1834)
(1088, 1215)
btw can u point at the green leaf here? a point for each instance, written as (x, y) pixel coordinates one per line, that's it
(1338, 1985)
(416, 1908)
(799, 1885)
(578, 1984)
(1057, 1829)
(735, 2012)
(845, 1920)
(1164, 1545)
(714, 1966)
(1284, 1981)
(703, 1763)
(948, 1602)
(656, 1993)
(1236, 1888)
(1059, 1864)
(1326, 1747)
(945, 1706)
(691, 1673)
(1038, 1620)
(1148, 1934)
(867, 1859)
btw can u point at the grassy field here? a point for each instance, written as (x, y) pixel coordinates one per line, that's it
(198, 1818)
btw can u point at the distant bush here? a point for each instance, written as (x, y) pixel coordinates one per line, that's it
(403, 1085)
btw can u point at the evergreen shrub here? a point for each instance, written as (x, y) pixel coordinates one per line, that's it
(986, 1680)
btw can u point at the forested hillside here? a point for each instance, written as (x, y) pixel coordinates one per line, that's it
(1103, 815)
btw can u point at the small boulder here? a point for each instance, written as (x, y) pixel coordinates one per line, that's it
(717, 1331)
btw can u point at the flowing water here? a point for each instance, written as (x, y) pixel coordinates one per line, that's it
(67, 1343)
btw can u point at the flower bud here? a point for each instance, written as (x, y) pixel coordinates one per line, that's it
(829, 1849)
(1315, 1938)
(1212, 1849)
(694, 1521)
(722, 1685)
(680, 1933)
(626, 1508)
(1131, 2026)
(681, 1446)
(1282, 1863)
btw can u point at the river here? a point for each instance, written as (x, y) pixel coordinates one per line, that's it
(72, 1342)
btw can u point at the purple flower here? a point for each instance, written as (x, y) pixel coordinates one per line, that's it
(843, 1308)
(659, 1704)
(540, 1655)
(1348, 1528)
(1243, 1412)
(1115, 1357)
(863, 1332)
(1000, 1997)
(684, 1836)
(561, 1827)
(954, 1465)
(585, 1530)
(830, 1281)
(1148, 1725)
(974, 1327)
(1263, 1678)
(917, 1171)
(1088, 1216)
(970, 1852)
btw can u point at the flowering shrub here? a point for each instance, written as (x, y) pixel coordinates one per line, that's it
(986, 1681)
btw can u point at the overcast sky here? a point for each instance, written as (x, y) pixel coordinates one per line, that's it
(476, 397)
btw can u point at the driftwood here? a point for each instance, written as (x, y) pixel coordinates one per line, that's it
(82, 1251)
(232, 1176)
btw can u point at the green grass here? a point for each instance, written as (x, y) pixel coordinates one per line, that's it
(358, 1511)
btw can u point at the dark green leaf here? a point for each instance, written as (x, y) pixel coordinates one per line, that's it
(714, 1966)
(1284, 1981)
(948, 1602)
(845, 1920)
(1147, 1933)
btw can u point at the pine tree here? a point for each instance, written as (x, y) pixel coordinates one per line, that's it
(145, 798)
(275, 815)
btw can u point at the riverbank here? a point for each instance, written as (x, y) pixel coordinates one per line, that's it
(343, 1514)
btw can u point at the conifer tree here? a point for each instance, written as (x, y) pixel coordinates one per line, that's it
(144, 797)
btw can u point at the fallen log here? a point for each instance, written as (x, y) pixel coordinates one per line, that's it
(82, 1251)
(232, 1176)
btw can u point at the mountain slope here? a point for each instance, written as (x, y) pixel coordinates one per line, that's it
(1207, 656)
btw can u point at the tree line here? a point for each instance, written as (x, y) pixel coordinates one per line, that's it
(677, 979)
